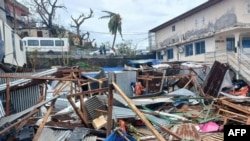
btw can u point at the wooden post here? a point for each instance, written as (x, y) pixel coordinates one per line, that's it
(139, 113)
(77, 110)
(81, 103)
(41, 126)
(8, 97)
(110, 105)
(163, 80)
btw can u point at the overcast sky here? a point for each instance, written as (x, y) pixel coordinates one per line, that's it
(138, 16)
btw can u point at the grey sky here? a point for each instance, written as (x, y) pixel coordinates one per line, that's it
(138, 16)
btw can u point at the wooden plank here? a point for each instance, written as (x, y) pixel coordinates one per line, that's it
(139, 113)
(19, 122)
(77, 110)
(110, 109)
(45, 118)
(235, 106)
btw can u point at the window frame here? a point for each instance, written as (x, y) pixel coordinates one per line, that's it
(33, 40)
(189, 49)
(47, 42)
(60, 41)
(200, 47)
(173, 28)
(247, 44)
(170, 53)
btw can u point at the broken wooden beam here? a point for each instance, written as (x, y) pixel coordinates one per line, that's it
(41, 126)
(18, 122)
(139, 113)
(77, 110)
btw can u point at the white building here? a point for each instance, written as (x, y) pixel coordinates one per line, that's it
(214, 30)
(213, 26)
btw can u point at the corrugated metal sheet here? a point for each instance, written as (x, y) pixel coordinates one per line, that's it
(78, 134)
(144, 100)
(16, 116)
(186, 131)
(54, 135)
(90, 138)
(93, 103)
(2, 112)
(124, 79)
(213, 137)
(119, 112)
(21, 81)
(22, 99)
(157, 121)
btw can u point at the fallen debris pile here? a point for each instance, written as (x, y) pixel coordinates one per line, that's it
(73, 105)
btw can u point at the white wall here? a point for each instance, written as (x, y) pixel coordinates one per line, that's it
(10, 48)
(202, 20)
(209, 47)
(243, 10)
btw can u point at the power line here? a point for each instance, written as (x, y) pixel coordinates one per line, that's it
(134, 33)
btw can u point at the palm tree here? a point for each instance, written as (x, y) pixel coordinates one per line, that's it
(114, 25)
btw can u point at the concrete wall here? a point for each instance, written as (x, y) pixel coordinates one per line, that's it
(33, 32)
(214, 18)
(243, 11)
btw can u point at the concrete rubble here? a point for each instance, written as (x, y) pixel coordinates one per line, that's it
(177, 101)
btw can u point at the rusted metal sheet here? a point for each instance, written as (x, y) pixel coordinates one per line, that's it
(186, 131)
(22, 81)
(213, 137)
(215, 77)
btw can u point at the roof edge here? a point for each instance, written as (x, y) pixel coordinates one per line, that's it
(186, 14)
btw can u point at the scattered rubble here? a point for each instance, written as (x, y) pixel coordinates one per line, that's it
(179, 101)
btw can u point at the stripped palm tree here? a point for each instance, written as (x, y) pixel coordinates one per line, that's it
(114, 25)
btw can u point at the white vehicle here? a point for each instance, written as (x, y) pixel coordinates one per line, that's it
(42, 44)
(11, 49)
(109, 52)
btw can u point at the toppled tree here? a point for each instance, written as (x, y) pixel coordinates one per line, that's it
(114, 25)
(78, 22)
(46, 9)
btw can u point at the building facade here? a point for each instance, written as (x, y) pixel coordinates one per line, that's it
(216, 26)
(16, 14)
(34, 32)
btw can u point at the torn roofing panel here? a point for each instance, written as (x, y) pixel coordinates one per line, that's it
(22, 81)
(186, 131)
(92, 104)
(78, 134)
(119, 112)
(144, 100)
(54, 135)
(24, 98)
(214, 79)
(16, 116)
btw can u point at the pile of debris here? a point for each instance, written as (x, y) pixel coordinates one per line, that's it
(182, 101)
